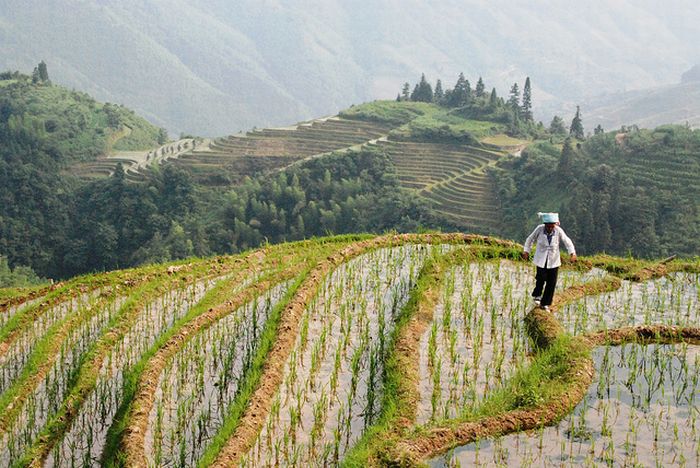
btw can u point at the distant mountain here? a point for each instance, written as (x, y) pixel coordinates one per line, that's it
(214, 67)
(648, 108)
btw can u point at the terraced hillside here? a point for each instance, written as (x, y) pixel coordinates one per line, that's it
(356, 351)
(668, 171)
(230, 158)
(136, 164)
(452, 177)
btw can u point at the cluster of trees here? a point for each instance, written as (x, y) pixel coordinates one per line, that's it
(477, 103)
(350, 192)
(41, 74)
(461, 95)
(606, 205)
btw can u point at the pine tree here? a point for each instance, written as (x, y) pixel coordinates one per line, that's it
(423, 92)
(480, 88)
(405, 96)
(493, 99)
(576, 129)
(35, 75)
(514, 99)
(43, 72)
(459, 95)
(527, 101)
(414, 93)
(598, 130)
(439, 94)
(557, 126)
(565, 165)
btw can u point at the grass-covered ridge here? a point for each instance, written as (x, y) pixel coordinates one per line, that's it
(70, 123)
(203, 362)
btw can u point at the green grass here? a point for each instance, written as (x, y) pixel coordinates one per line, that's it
(456, 124)
(389, 112)
(503, 140)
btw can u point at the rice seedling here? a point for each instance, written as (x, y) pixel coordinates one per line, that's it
(339, 374)
(671, 300)
(647, 421)
(479, 347)
(341, 345)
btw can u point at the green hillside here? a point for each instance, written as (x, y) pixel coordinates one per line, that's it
(636, 191)
(71, 125)
(437, 153)
(45, 131)
(354, 350)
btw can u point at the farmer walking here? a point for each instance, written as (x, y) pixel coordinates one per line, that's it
(546, 238)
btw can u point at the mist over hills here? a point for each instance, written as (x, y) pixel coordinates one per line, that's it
(213, 67)
(647, 108)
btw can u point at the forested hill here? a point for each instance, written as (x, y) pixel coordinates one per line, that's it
(43, 129)
(630, 191)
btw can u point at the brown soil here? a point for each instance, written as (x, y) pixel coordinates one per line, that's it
(655, 271)
(21, 299)
(644, 334)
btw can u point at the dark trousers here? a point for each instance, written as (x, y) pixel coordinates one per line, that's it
(545, 278)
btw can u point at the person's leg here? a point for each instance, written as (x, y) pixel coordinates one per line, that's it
(539, 282)
(550, 284)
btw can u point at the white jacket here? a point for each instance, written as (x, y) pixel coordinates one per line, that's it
(546, 251)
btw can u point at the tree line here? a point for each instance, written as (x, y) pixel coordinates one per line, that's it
(478, 103)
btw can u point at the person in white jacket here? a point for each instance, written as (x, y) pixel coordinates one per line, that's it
(546, 238)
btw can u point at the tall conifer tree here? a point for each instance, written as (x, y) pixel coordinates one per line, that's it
(576, 129)
(514, 99)
(493, 99)
(439, 94)
(405, 96)
(480, 88)
(43, 71)
(527, 101)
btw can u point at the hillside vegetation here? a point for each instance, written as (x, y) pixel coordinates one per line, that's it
(635, 191)
(70, 125)
(44, 129)
(402, 165)
(354, 350)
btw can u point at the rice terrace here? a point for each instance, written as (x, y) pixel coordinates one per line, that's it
(400, 349)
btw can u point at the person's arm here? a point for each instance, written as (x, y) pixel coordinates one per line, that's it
(532, 238)
(568, 244)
